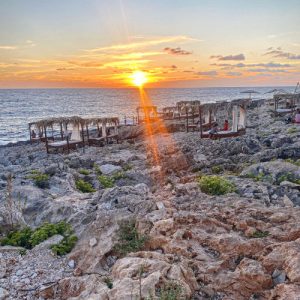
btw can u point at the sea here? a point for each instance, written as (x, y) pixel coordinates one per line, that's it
(18, 107)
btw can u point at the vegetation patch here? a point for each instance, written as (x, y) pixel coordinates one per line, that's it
(216, 169)
(107, 280)
(129, 239)
(28, 238)
(216, 185)
(41, 180)
(84, 187)
(260, 234)
(294, 162)
(292, 130)
(106, 181)
(169, 291)
(109, 181)
(84, 172)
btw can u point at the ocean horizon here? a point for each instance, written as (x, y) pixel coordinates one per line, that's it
(20, 106)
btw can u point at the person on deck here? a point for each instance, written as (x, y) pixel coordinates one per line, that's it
(33, 134)
(226, 125)
(297, 116)
(214, 130)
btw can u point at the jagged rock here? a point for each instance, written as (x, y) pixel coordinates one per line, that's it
(4, 294)
(108, 169)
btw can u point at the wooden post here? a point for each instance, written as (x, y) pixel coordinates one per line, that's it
(52, 132)
(187, 119)
(68, 145)
(61, 131)
(138, 116)
(200, 120)
(82, 133)
(47, 149)
(87, 134)
(30, 133)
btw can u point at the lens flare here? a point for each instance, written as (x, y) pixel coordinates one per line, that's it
(139, 78)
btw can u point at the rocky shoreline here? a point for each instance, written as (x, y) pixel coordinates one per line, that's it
(241, 245)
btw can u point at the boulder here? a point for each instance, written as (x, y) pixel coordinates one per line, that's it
(109, 169)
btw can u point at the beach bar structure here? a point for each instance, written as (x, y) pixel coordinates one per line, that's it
(285, 103)
(146, 114)
(73, 132)
(67, 139)
(213, 112)
(107, 130)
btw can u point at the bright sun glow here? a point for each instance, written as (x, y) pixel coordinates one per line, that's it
(139, 78)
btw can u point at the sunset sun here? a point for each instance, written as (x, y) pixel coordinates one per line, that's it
(139, 78)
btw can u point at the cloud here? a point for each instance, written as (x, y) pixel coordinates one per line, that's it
(278, 52)
(207, 73)
(64, 69)
(234, 73)
(242, 65)
(8, 47)
(144, 43)
(229, 57)
(176, 51)
(262, 70)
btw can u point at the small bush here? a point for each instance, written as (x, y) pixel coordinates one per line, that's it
(127, 167)
(19, 238)
(260, 234)
(65, 246)
(84, 187)
(108, 282)
(215, 185)
(29, 238)
(216, 169)
(292, 130)
(97, 169)
(129, 240)
(294, 162)
(40, 180)
(169, 291)
(84, 172)
(106, 181)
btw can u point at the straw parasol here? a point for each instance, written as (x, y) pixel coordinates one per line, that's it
(250, 92)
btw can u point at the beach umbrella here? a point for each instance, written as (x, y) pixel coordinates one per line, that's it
(276, 91)
(249, 92)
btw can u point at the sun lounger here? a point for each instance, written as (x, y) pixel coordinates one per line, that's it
(223, 134)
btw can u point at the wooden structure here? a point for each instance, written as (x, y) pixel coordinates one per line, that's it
(209, 115)
(285, 103)
(146, 114)
(106, 128)
(67, 139)
(73, 132)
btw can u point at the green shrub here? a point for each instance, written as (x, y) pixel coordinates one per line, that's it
(169, 291)
(19, 238)
(47, 230)
(129, 240)
(127, 167)
(292, 130)
(108, 282)
(84, 172)
(97, 169)
(84, 187)
(29, 238)
(40, 180)
(260, 234)
(106, 181)
(294, 162)
(216, 169)
(215, 185)
(65, 246)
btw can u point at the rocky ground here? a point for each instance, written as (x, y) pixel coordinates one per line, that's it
(243, 245)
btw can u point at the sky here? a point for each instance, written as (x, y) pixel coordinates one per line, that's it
(186, 43)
